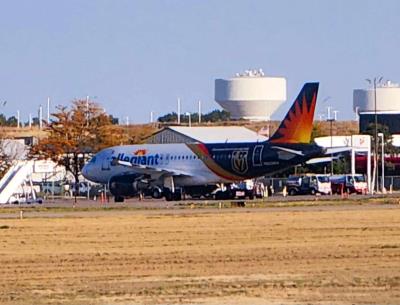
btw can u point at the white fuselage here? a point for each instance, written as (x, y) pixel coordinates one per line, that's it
(174, 158)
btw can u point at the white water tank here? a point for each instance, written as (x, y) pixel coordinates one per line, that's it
(251, 95)
(387, 98)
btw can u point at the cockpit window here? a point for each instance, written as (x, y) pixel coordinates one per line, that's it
(93, 160)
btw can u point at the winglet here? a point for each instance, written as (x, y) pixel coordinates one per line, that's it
(297, 125)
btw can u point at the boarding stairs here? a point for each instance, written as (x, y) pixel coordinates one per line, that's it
(14, 182)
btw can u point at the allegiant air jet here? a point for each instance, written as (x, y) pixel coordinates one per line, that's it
(170, 169)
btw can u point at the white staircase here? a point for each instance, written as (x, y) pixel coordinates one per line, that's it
(16, 176)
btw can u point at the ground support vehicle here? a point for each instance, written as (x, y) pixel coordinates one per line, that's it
(349, 184)
(308, 184)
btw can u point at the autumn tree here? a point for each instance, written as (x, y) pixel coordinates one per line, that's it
(77, 132)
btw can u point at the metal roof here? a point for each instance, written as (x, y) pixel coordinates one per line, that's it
(219, 134)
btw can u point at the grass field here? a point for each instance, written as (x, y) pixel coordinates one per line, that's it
(259, 256)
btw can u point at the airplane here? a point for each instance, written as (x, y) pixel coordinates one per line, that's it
(170, 170)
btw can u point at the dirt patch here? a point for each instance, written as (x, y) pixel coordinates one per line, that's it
(261, 257)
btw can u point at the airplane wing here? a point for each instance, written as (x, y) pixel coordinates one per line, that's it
(321, 160)
(288, 150)
(149, 170)
(332, 152)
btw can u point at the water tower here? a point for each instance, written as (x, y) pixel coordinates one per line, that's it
(251, 95)
(386, 106)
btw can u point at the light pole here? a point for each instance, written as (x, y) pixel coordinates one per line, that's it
(331, 119)
(199, 112)
(18, 118)
(179, 111)
(87, 110)
(382, 161)
(375, 81)
(190, 119)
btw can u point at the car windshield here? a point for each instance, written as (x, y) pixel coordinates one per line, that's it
(292, 180)
(359, 178)
(323, 179)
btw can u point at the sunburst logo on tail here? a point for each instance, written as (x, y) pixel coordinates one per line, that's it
(298, 123)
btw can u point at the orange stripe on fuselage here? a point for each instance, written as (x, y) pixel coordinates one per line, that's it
(203, 154)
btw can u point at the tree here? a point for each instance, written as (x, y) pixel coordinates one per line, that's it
(75, 134)
(213, 116)
(3, 120)
(12, 121)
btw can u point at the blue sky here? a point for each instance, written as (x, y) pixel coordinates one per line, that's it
(139, 56)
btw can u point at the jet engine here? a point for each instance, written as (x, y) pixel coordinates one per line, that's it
(126, 185)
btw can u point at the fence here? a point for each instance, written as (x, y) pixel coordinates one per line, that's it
(391, 183)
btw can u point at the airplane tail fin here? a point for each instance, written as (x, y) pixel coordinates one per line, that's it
(297, 125)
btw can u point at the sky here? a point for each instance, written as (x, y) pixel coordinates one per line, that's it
(134, 57)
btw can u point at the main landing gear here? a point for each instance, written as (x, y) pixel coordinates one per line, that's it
(170, 191)
(173, 196)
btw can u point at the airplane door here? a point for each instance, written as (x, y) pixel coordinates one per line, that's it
(257, 155)
(105, 166)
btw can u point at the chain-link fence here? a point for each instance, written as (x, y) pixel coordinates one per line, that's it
(391, 183)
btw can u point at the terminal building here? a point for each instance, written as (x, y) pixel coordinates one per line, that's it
(386, 106)
(251, 95)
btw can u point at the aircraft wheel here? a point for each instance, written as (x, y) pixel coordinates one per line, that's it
(156, 193)
(219, 195)
(118, 199)
(168, 195)
(177, 196)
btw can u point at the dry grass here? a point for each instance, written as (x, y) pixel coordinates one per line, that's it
(234, 258)
(13, 132)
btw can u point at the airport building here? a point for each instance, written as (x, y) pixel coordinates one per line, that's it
(251, 95)
(386, 106)
(214, 134)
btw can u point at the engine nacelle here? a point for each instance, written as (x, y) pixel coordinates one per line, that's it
(126, 185)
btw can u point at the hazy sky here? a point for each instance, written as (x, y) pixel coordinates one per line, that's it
(139, 56)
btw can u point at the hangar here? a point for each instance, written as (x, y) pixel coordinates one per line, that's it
(212, 134)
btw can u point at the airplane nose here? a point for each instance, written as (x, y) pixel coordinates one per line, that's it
(85, 171)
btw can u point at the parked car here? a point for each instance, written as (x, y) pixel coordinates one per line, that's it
(308, 184)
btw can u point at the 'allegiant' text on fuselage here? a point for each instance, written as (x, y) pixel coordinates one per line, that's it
(140, 159)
